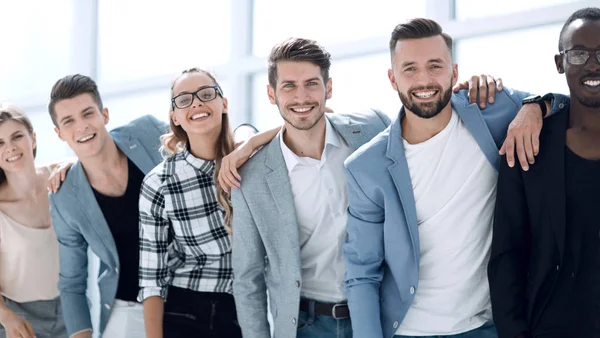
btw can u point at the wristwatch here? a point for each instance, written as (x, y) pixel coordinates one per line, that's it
(540, 100)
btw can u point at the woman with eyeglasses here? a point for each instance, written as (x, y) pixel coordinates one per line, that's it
(29, 303)
(185, 248)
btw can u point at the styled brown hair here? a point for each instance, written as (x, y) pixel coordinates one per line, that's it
(12, 113)
(177, 140)
(418, 28)
(69, 87)
(297, 50)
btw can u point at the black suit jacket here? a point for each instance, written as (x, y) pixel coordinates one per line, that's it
(529, 233)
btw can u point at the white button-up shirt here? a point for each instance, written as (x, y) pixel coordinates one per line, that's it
(321, 199)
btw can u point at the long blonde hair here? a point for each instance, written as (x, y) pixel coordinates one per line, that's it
(177, 140)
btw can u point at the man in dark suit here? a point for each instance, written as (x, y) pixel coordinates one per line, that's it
(544, 270)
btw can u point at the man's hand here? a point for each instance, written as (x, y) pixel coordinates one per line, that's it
(228, 175)
(83, 334)
(15, 326)
(481, 88)
(524, 132)
(58, 174)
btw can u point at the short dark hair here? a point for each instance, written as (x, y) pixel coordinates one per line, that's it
(418, 28)
(297, 50)
(589, 14)
(69, 87)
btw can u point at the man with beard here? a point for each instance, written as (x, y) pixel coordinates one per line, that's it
(421, 199)
(289, 218)
(544, 269)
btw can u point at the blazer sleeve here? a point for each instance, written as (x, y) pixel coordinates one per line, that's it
(364, 254)
(72, 282)
(248, 261)
(384, 118)
(509, 260)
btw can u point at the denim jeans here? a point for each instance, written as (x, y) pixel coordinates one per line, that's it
(311, 325)
(488, 330)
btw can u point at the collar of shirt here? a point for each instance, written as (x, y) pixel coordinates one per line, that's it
(204, 166)
(292, 160)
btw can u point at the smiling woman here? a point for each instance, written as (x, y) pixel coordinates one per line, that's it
(28, 247)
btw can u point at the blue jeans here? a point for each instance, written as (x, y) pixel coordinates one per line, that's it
(311, 325)
(488, 330)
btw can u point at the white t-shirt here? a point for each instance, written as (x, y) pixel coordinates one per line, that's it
(321, 198)
(455, 191)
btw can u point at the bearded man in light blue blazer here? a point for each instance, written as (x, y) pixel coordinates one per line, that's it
(421, 197)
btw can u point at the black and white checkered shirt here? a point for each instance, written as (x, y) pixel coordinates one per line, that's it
(183, 242)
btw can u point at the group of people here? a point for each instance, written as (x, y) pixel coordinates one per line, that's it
(337, 224)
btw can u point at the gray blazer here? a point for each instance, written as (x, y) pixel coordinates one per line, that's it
(79, 224)
(266, 248)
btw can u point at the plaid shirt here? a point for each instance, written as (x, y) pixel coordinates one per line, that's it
(182, 238)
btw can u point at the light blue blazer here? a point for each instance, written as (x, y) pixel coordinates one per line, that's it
(382, 248)
(79, 224)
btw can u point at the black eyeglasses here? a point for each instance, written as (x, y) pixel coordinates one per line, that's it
(579, 57)
(204, 94)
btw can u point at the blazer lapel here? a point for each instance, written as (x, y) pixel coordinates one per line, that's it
(132, 148)
(89, 206)
(278, 181)
(553, 176)
(401, 177)
(351, 132)
(473, 120)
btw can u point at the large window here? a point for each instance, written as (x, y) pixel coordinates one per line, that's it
(328, 22)
(140, 39)
(524, 59)
(36, 48)
(474, 9)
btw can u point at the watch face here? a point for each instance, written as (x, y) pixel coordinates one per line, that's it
(533, 98)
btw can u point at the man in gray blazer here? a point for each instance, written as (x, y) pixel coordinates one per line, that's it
(97, 207)
(289, 217)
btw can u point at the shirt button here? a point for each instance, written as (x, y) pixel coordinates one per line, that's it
(557, 267)
(297, 283)
(107, 306)
(412, 290)
(395, 324)
(294, 321)
(561, 105)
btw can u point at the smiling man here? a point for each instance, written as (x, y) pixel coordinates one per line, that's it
(544, 271)
(97, 207)
(421, 198)
(289, 215)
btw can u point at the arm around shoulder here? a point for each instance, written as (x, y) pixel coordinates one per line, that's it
(364, 255)
(248, 260)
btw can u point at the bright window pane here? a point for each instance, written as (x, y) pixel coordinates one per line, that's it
(524, 59)
(140, 39)
(36, 47)
(124, 109)
(328, 22)
(473, 9)
(358, 83)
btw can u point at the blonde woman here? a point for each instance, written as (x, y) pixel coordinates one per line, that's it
(29, 305)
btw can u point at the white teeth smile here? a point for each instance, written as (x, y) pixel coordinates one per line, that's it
(424, 95)
(592, 83)
(301, 110)
(14, 158)
(87, 138)
(199, 116)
